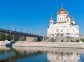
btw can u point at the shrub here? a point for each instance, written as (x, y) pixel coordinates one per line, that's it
(9, 37)
(2, 36)
(82, 40)
(62, 40)
(22, 38)
(77, 40)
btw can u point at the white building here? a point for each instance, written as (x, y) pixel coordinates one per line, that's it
(65, 25)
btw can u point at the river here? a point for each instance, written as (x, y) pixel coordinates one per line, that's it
(41, 54)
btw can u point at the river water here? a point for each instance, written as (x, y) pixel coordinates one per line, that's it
(41, 54)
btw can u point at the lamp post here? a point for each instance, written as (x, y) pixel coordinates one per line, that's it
(43, 36)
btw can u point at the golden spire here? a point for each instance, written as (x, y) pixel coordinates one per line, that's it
(62, 10)
(62, 5)
(51, 18)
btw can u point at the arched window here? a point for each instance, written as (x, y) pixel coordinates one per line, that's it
(57, 30)
(68, 20)
(61, 30)
(60, 19)
(73, 30)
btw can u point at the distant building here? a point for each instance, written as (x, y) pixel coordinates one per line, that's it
(65, 25)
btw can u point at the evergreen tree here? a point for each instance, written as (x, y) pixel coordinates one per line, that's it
(2, 37)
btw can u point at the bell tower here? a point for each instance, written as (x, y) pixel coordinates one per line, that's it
(51, 20)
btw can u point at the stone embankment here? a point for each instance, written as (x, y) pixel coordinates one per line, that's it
(45, 44)
(50, 44)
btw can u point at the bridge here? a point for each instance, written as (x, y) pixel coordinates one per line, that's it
(6, 31)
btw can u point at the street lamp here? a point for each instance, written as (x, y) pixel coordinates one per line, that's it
(43, 36)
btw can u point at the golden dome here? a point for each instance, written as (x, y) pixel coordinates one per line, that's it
(67, 16)
(62, 11)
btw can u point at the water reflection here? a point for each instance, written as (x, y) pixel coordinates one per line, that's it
(41, 54)
(5, 53)
(63, 57)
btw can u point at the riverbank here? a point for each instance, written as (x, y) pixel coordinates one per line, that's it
(45, 44)
(50, 44)
(3, 43)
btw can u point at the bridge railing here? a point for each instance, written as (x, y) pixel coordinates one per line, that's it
(19, 33)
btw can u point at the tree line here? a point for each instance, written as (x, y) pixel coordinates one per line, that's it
(10, 37)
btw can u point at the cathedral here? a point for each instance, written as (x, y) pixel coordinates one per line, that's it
(65, 25)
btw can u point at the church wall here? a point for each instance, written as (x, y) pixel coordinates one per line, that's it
(61, 18)
(64, 26)
(66, 31)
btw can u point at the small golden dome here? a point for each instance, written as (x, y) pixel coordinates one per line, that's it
(62, 11)
(67, 16)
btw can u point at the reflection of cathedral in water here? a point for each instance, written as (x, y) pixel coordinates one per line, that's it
(63, 57)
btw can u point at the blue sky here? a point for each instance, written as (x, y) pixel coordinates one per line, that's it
(33, 15)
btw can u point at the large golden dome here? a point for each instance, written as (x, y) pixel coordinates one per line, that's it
(62, 11)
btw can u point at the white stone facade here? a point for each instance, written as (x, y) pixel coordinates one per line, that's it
(65, 25)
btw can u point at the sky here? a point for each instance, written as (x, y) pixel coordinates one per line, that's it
(33, 15)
